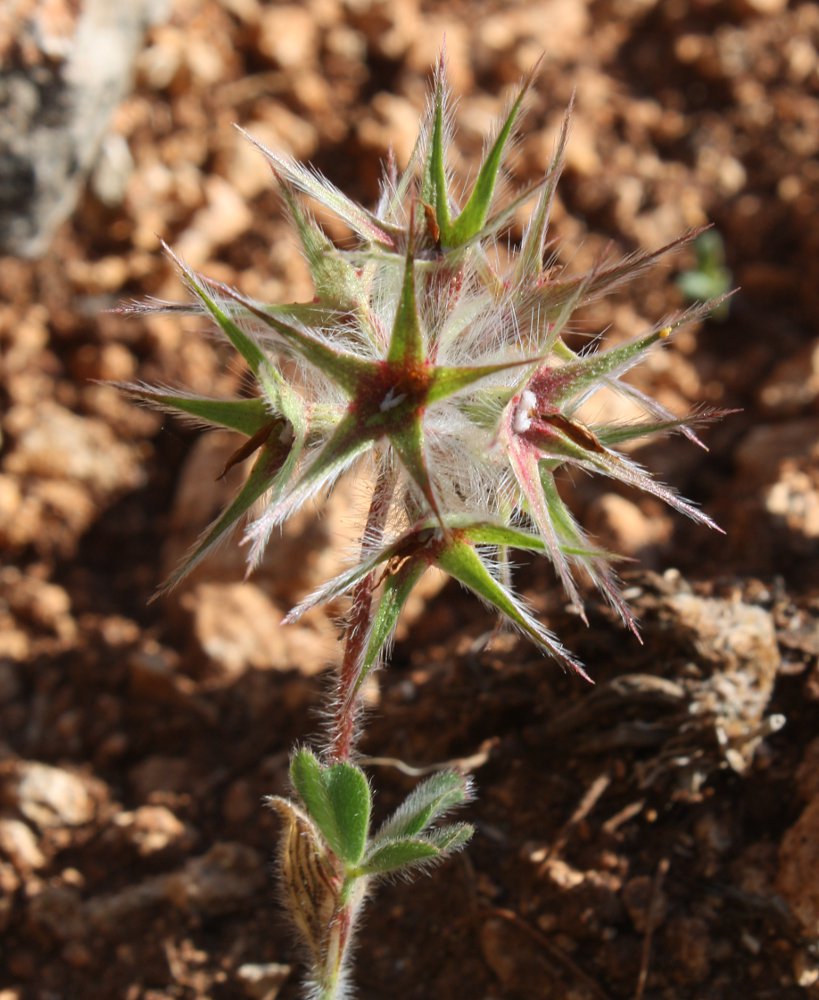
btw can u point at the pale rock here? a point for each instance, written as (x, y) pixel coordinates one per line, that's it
(223, 218)
(793, 385)
(766, 447)
(151, 829)
(238, 628)
(50, 796)
(389, 27)
(390, 122)
(56, 512)
(262, 981)
(794, 501)
(288, 36)
(10, 882)
(42, 604)
(18, 843)
(517, 31)
(760, 8)
(735, 643)
(53, 443)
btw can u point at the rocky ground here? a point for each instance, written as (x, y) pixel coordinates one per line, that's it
(654, 837)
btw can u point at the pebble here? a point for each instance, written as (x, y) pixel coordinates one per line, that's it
(237, 627)
(19, 844)
(152, 830)
(262, 981)
(50, 796)
(54, 443)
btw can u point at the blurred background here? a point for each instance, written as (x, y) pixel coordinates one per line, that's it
(655, 839)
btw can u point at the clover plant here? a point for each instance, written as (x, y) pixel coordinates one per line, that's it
(450, 377)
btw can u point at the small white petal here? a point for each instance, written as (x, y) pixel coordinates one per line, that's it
(523, 412)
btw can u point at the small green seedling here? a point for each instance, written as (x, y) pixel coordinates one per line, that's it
(710, 279)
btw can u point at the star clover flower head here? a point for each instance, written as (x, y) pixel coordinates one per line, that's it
(452, 375)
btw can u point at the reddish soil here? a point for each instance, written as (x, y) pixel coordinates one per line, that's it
(654, 837)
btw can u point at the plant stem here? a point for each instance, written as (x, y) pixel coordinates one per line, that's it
(343, 731)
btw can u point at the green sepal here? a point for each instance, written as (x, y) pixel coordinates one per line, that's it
(408, 443)
(474, 214)
(435, 182)
(397, 588)
(530, 260)
(573, 378)
(248, 416)
(338, 799)
(611, 435)
(345, 369)
(334, 279)
(447, 381)
(460, 560)
(426, 803)
(271, 471)
(245, 345)
(406, 340)
(315, 185)
(347, 441)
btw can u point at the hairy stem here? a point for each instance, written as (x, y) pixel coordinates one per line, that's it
(347, 696)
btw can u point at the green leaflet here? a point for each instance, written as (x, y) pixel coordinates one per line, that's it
(429, 801)
(397, 855)
(337, 798)
(406, 853)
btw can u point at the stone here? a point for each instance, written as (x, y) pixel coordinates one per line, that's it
(50, 796)
(262, 981)
(152, 830)
(54, 443)
(238, 628)
(57, 111)
(18, 843)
